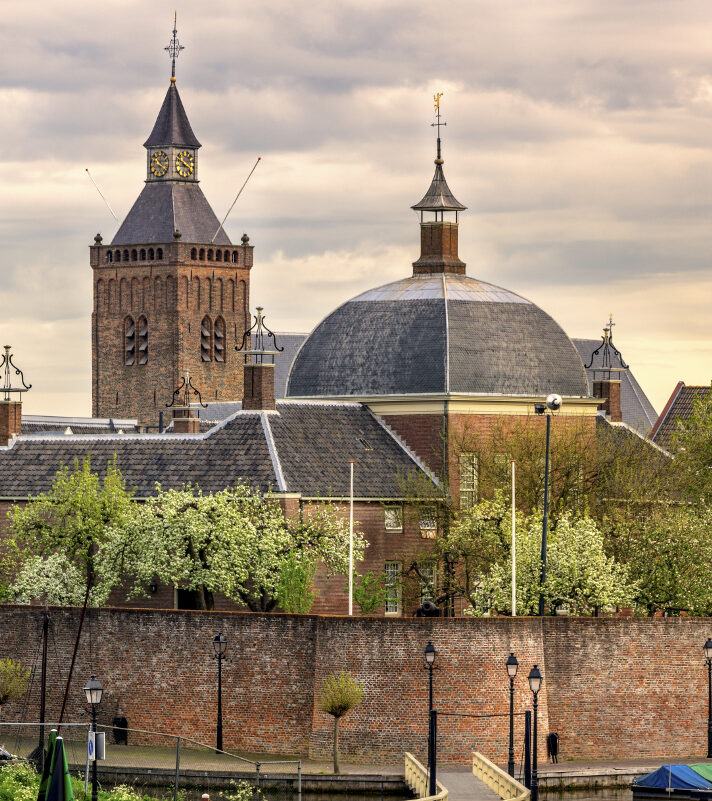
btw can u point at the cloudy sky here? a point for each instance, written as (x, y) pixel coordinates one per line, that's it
(579, 135)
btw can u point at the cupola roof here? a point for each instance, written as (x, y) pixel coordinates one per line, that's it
(439, 197)
(172, 126)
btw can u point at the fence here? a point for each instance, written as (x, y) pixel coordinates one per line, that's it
(159, 764)
(418, 780)
(498, 780)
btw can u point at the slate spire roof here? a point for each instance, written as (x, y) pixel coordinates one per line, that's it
(439, 197)
(172, 126)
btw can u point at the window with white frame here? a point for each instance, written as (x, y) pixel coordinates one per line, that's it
(468, 480)
(394, 518)
(393, 588)
(428, 521)
(428, 577)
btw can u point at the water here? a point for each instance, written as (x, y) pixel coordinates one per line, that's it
(587, 794)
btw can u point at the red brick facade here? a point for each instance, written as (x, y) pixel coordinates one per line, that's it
(603, 698)
(196, 309)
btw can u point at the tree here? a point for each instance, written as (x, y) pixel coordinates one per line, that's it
(295, 592)
(692, 445)
(13, 681)
(59, 536)
(340, 693)
(369, 592)
(238, 542)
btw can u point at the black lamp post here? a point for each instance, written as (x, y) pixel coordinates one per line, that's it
(512, 667)
(708, 659)
(93, 691)
(553, 404)
(429, 665)
(219, 646)
(535, 680)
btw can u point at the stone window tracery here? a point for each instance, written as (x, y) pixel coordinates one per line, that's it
(129, 341)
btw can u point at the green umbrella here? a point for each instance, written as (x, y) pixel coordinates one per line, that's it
(60, 786)
(47, 766)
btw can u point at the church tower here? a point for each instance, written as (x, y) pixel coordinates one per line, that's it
(171, 292)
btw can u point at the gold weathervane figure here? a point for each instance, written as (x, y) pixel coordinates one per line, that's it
(436, 99)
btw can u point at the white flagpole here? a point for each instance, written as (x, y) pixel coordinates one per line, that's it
(351, 543)
(514, 548)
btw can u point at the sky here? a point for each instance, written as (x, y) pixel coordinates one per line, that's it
(579, 135)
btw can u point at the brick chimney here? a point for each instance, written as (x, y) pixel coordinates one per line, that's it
(185, 420)
(259, 365)
(11, 410)
(609, 390)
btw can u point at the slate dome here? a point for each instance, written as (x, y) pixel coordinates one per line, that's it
(437, 333)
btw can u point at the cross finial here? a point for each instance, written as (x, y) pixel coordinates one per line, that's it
(608, 330)
(437, 123)
(174, 47)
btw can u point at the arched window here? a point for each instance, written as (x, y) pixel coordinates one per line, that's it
(157, 292)
(135, 294)
(126, 255)
(219, 291)
(206, 340)
(134, 255)
(112, 293)
(109, 256)
(218, 255)
(210, 254)
(170, 291)
(202, 254)
(196, 292)
(184, 291)
(129, 341)
(208, 293)
(100, 297)
(226, 255)
(230, 301)
(151, 254)
(234, 257)
(143, 254)
(142, 340)
(219, 340)
(159, 253)
(194, 253)
(124, 293)
(146, 293)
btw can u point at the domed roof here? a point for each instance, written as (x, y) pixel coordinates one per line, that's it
(437, 333)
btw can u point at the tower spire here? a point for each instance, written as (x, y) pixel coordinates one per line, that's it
(174, 48)
(437, 123)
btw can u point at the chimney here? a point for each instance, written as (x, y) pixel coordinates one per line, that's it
(11, 410)
(185, 420)
(259, 365)
(608, 366)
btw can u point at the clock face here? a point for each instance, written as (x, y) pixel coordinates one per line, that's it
(159, 164)
(185, 163)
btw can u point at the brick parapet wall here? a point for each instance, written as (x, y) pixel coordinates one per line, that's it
(613, 688)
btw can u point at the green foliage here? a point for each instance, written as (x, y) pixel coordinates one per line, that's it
(692, 445)
(369, 592)
(236, 542)
(579, 575)
(242, 791)
(294, 591)
(340, 693)
(58, 535)
(13, 680)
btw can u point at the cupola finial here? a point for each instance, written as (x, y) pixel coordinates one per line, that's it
(437, 123)
(174, 48)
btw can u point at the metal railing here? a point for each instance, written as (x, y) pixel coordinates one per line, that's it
(506, 787)
(145, 759)
(417, 778)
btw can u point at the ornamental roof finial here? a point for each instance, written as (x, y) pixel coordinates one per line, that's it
(174, 48)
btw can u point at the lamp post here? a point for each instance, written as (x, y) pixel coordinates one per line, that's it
(708, 658)
(535, 680)
(512, 667)
(429, 656)
(553, 404)
(219, 646)
(93, 691)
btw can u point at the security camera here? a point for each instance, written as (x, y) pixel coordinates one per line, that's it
(553, 402)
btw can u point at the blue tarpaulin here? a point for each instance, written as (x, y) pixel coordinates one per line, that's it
(677, 777)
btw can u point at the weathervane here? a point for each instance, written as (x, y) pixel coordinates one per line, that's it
(437, 123)
(186, 385)
(259, 335)
(604, 349)
(174, 47)
(7, 389)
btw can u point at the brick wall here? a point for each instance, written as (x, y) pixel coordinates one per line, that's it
(613, 688)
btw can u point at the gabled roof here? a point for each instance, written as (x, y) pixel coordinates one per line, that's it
(172, 126)
(164, 206)
(636, 409)
(439, 197)
(302, 447)
(679, 407)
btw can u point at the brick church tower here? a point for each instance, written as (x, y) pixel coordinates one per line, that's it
(171, 292)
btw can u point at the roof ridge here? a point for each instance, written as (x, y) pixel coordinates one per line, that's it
(273, 454)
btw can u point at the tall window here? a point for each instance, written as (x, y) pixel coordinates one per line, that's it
(468, 480)
(129, 341)
(206, 340)
(394, 518)
(393, 588)
(142, 340)
(219, 340)
(428, 522)
(428, 578)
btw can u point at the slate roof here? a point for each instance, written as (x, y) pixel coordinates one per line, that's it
(439, 197)
(283, 361)
(679, 407)
(51, 424)
(437, 334)
(164, 206)
(637, 410)
(172, 126)
(302, 447)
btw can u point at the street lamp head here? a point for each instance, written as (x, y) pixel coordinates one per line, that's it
(539, 408)
(708, 648)
(535, 679)
(512, 665)
(219, 644)
(553, 402)
(429, 653)
(93, 691)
